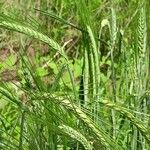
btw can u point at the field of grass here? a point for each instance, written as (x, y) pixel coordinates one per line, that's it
(74, 75)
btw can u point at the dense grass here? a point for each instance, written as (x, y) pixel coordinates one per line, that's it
(77, 75)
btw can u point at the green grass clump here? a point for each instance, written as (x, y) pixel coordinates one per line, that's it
(76, 75)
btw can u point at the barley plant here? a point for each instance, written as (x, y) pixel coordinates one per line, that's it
(74, 75)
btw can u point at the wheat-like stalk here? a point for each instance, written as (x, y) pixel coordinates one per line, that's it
(142, 32)
(95, 54)
(30, 32)
(76, 135)
(86, 78)
(130, 116)
(80, 114)
(99, 133)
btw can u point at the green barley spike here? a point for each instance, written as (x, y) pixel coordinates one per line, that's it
(142, 32)
(6, 22)
(76, 135)
(130, 116)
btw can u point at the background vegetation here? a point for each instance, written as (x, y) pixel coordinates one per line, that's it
(74, 75)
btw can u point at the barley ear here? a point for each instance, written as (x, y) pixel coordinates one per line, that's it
(76, 135)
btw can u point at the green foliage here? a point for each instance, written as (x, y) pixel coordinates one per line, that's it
(76, 77)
